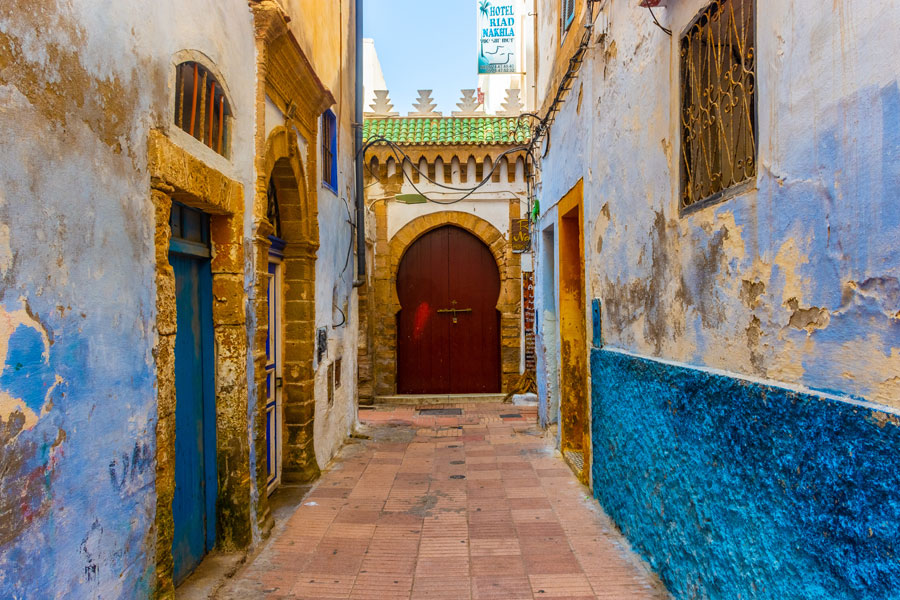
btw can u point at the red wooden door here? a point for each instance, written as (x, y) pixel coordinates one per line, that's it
(448, 327)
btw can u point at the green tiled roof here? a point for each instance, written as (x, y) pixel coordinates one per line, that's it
(448, 130)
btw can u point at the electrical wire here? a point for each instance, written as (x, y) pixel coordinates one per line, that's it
(544, 123)
(343, 316)
(666, 30)
(398, 152)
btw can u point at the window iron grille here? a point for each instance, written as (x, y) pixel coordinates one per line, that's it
(568, 14)
(329, 149)
(201, 108)
(718, 91)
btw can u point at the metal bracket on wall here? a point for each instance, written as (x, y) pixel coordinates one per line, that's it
(321, 343)
(596, 323)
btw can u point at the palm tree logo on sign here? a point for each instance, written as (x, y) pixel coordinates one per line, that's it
(497, 37)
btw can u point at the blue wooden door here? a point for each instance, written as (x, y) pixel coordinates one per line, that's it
(193, 507)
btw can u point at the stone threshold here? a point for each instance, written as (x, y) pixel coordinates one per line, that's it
(429, 399)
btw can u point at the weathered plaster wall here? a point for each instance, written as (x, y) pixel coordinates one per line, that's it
(494, 211)
(733, 488)
(325, 32)
(81, 84)
(794, 281)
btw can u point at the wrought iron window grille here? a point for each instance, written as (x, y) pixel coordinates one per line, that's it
(718, 103)
(201, 108)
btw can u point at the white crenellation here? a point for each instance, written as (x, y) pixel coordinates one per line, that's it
(469, 105)
(513, 106)
(424, 105)
(382, 107)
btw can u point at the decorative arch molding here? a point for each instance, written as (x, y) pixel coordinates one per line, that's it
(281, 162)
(284, 162)
(386, 304)
(489, 235)
(286, 78)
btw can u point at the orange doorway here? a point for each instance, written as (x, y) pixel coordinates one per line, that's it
(574, 409)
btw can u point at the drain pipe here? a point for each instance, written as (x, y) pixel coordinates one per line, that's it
(358, 128)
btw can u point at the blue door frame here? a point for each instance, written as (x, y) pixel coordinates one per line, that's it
(193, 506)
(273, 367)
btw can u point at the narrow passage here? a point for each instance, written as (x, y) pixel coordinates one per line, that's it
(469, 506)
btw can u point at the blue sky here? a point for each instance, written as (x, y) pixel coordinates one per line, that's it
(424, 44)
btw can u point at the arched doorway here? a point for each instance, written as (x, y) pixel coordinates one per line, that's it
(287, 311)
(448, 327)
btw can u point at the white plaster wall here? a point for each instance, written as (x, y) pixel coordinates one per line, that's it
(274, 118)
(335, 269)
(495, 212)
(815, 229)
(373, 77)
(490, 202)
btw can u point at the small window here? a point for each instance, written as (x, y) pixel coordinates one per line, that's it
(567, 14)
(273, 213)
(201, 108)
(718, 102)
(338, 369)
(329, 150)
(190, 230)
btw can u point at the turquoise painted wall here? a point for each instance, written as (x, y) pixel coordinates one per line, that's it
(737, 489)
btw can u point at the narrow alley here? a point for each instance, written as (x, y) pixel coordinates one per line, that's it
(481, 299)
(477, 506)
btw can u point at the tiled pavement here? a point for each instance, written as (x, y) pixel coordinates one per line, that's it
(477, 506)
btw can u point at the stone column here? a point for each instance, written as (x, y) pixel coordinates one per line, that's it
(164, 354)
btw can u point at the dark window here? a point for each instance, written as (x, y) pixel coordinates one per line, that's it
(338, 367)
(567, 13)
(190, 230)
(718, 110)
(273, 214)
(329, 150)
(201, 108)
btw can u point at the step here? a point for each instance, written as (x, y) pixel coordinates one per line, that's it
(425, 399)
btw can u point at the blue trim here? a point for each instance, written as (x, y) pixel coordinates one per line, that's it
(209, 402)
(329, 117)
(277, 247)
(570, 18)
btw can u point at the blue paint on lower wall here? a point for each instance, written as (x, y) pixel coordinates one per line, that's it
(734, 489)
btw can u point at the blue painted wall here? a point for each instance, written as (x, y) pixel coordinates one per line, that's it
(734, 489)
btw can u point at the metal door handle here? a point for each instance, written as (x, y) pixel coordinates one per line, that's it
(454, 311)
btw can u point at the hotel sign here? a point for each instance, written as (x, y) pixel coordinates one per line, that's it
(520, 235)
(498, 28)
